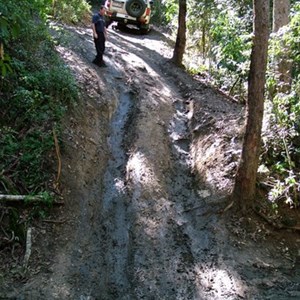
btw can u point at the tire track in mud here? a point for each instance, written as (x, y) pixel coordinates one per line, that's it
(160, 195)
(145, 252)
(174, 254)
(115, 222)
(150, 248)
(158, 179)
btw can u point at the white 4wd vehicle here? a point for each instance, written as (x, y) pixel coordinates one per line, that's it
(136, 12)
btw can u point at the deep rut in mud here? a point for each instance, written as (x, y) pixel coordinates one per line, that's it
(114, 214)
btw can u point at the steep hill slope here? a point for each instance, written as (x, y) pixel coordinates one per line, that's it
(148, 159)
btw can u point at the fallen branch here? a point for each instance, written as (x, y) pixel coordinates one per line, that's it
(19, 198)
(15, 198)
(55, 221)
(7, 183)
(268, 220)
(28, 248)
(228, 206)
(58, 158)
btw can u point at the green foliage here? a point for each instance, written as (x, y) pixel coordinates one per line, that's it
(39, 208)
(286, 190)
(5, 64)
(10, 24)
(158, 13)
(16, 225)
(293, 39)
(171, 9)
(281, 141)
(23, 158)
(164, 13)
(219, 39)
(71, 11)
(231, 43)
(38, 91)
(199, 22)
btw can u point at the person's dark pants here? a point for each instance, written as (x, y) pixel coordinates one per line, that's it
(100, 47)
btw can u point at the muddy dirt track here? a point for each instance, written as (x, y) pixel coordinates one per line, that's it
(148, 158)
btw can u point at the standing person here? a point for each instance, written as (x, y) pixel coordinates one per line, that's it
(100, 35)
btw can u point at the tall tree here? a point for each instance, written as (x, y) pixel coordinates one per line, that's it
(245, 182)
(181, 34)
(281, 12)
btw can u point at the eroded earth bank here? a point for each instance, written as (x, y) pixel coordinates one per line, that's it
(148, 158)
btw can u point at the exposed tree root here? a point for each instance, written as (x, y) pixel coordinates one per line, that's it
(274, 224)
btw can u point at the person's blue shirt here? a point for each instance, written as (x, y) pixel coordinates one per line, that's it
(99, 22)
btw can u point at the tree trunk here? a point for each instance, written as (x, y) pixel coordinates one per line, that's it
(245, 182)
(281, 12)
(181, 34)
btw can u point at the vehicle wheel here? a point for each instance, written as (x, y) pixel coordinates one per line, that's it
(135, 8)
(144, 29)
(108, 22)
(121, 26)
